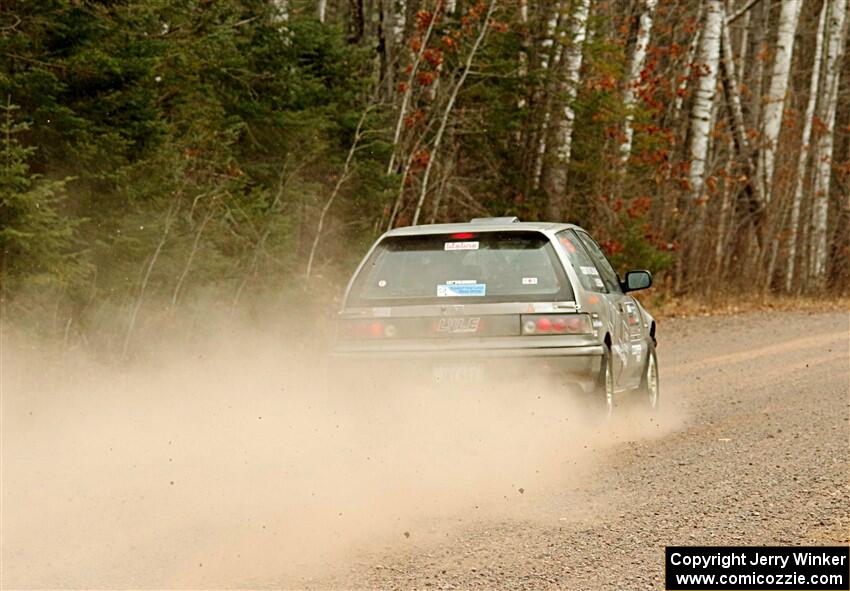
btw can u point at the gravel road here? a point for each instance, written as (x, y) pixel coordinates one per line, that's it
(224, 467)
(761, 457)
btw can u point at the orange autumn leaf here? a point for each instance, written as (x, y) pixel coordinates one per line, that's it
(425, 78)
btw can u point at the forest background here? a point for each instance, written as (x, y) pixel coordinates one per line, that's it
(161, 155)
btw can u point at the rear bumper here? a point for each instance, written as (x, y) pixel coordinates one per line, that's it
(452, 353)
(578, 365)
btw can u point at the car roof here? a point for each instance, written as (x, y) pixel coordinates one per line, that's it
(482, 225)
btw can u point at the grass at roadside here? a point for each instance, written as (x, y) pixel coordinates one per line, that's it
(664, 305)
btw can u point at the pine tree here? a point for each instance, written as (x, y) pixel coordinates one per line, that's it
(35, 236)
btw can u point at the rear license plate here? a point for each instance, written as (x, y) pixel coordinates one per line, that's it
(458, 373)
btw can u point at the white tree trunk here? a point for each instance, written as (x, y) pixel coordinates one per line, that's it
(281, 15)
(547, 53)
(573, 55)
(523, 52)
(692, 53)
(709, 61)
(635, 68)
(804, 151)
(775, 100)
(823, 169)
(739, 132)
(743, 47)
(399, 22)
(733, 90)
(572, 67)
(321, 10)
(755, 82)
(549, 38)
(721, 247)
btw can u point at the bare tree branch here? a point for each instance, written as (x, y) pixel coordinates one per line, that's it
(346, 170)
(452, 98)
(741, 11)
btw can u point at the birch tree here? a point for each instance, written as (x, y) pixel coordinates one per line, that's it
(635, 68)
(760, 22)
(549, 53)
(399, 17)
(731, 85)
(522, 70)
(700, 125)
(281, 11)
(556, 189)
(682, 88)
(804, 151)
(775, 100)
(836, 36)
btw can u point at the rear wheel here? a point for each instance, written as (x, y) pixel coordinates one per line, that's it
(649, 386)
(604, 392)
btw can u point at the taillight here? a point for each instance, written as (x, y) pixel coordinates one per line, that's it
(555, 324)
(367, 329)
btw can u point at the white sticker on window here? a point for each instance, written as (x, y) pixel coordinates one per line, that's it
(589, 271)
(529, 280)
(598, 282)
(461, 245)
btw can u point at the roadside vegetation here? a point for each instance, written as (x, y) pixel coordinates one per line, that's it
(159, 156)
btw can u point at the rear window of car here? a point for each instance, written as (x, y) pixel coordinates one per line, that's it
(515, 266)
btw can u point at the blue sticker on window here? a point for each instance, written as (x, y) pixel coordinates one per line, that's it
(461, 290)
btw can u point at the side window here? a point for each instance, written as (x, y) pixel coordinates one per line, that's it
(609, 276)
(583, 265)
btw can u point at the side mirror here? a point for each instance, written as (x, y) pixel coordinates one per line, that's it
(636, 280)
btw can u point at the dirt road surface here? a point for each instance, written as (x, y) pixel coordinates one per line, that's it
(762, 457)
(195, 474)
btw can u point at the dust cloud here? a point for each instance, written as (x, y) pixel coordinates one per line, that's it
(250, 461)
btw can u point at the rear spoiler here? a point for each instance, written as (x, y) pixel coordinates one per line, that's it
(503, 220)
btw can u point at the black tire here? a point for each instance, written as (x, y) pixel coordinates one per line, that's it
(649, 390)
(603, 395)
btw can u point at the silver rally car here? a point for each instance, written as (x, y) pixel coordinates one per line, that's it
(462, 302)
